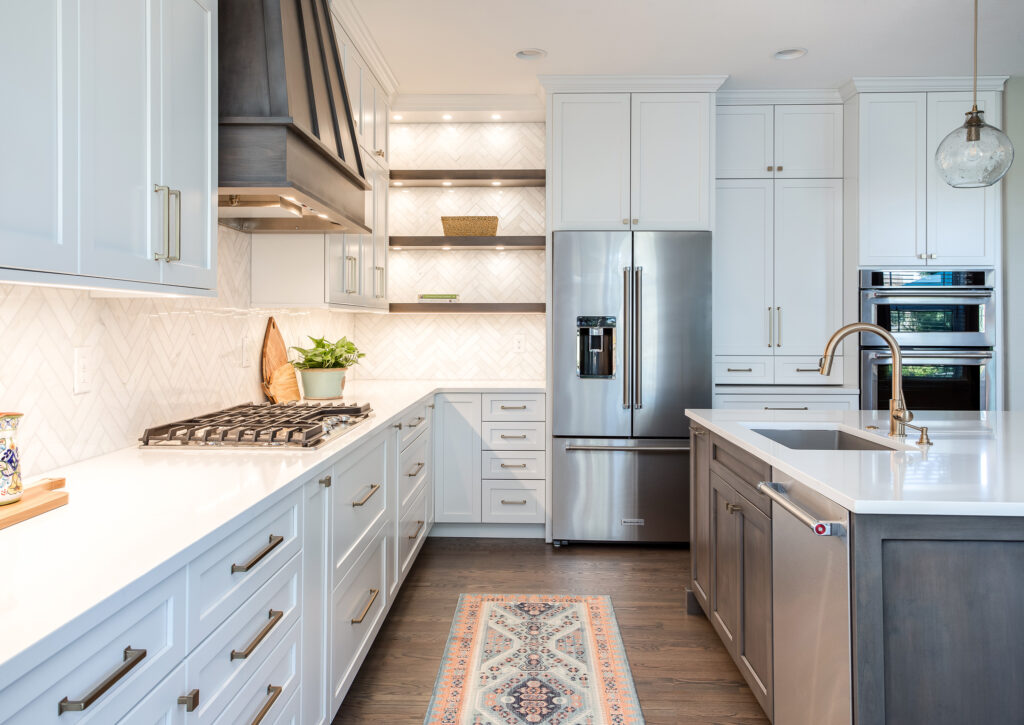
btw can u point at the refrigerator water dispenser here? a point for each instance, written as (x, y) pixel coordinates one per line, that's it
(595, 347)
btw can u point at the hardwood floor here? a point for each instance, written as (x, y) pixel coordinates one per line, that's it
(682, 672)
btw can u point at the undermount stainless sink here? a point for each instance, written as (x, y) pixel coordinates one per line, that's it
(820, 439)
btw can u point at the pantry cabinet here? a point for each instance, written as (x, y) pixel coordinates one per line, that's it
(630, 161)
(118, 138)
(779, 142)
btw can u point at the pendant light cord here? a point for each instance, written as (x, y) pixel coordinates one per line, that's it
(975, 55)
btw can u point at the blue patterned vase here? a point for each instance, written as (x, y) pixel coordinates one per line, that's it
(10, 465)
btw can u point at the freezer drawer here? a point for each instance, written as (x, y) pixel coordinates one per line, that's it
(621, 489)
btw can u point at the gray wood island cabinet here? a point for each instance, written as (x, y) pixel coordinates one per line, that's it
(894, 619)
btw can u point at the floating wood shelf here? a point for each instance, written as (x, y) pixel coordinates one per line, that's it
(468, 307)
(509, 242)
(468, 177)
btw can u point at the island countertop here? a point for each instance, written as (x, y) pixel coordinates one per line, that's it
(974, 468)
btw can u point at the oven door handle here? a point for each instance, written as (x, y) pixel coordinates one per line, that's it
(935, 355)
(941, 294)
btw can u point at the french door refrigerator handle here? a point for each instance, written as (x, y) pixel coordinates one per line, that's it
(638, 321)
(626, 302)
(629, 449)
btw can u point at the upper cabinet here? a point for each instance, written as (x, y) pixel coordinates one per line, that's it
(779, 142)
(630, 161)
(370, 107)
(113, 181)
(903, 213)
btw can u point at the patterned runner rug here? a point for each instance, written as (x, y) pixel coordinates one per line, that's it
(519, 659)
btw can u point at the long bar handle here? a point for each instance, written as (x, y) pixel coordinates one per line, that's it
(771, 327)
(415, 422)
(176, 256)
(352, 270)
(416, 471)
(626, 303)
(769, 407)
(934, 354)
(275, 692)
(506, 502)
(521, 436)
(275, 617)
(166, 254)
(273, 543)
(933, 293)
(419, 528)
(630, 449)
(513, 465)
(132, 657)
(374, 487)
(366, 609)
(638, 336)
(819, 528)
(778, 328)
(513, 407)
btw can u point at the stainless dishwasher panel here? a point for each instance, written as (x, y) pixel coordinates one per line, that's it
(621, 489)
(811, 608)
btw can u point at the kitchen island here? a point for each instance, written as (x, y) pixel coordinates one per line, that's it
(858, 578)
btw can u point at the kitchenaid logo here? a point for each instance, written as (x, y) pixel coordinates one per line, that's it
(632, 522)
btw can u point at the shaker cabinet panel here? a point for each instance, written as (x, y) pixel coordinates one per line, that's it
(590, 162)
(457, 459)
(700, 513)
(726, 563)
(744, 142)
(808, 142)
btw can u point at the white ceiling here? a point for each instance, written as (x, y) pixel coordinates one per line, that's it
(467, 46)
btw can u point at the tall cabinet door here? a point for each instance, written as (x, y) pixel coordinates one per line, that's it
(187, 37)
(743, 279)
(121, 218)
(892, 171)
(963, 224)
(809, 142)
(35, 231)
(808, 264)
(745, 142)
(457, 460)
(590, 161)
(670, 161)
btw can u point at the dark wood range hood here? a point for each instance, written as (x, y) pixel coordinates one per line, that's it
(289, 160)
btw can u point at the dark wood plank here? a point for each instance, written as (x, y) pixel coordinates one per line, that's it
(682, 672)
(459, 308)
(510, 243)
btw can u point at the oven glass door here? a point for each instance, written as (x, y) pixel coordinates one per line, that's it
(943, 380)
(932, 318)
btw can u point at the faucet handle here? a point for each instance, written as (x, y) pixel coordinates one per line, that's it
(904, 416)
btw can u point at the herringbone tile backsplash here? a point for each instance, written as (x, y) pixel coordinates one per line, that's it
(467, 145)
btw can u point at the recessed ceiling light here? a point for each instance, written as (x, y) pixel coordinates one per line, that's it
(446, 183)
(495, 116)
(790, 53)
(397, 117)
(447, 117)
(531, 54)
(495, 183)
(396, 183)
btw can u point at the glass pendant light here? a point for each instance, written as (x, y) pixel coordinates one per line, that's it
(975, 154)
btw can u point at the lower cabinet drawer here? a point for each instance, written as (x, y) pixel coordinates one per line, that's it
(518, 464)
(360, 498)
(513, 502)
(414, 423)
(787, 402)
(413, 469)
(804, 371)
(291, 712)
(412, 530)
(743, 371)
(161, 705)
(513, 436)
(264, 695)
(512, 406)
(231, 570)
(102, 675)
(357, 606)
(228, 657)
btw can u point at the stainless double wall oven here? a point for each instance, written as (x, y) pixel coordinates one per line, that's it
(945, 322)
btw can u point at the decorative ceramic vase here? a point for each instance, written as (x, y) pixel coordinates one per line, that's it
(323, 383)
(10, 465)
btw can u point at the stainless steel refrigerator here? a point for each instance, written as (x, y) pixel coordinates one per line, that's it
(631, 325)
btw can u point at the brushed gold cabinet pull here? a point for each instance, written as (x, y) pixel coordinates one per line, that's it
(176, 256)
(132, 657)
(415, 422)
(419, 528)
(513, 465)
(275, 617)
(419, 467)
(373, 489)
(513, 407)
(739, 370)
(190, 701)
(379, 152)
(636, 221)
(778, 331)
(325, 481)
(733, 508)
(518, 437)
(373, 598)
(513, 503)
(274, 542)
(778, 168)
(275, 692)
(625, 221)
(771, 327)
(769, 168)
(807, 370)
(166, 232)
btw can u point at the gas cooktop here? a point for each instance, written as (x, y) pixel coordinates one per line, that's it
(291, 425)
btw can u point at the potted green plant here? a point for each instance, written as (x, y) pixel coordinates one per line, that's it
(322, 367)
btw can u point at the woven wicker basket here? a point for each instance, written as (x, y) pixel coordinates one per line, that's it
(470, 226)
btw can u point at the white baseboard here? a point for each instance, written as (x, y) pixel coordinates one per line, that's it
(489, 531)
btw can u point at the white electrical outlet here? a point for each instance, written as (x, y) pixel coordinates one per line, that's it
(83, 370)
(519, 343)
(246, 351)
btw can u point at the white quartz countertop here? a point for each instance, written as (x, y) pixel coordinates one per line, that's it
(141, 514)
(974, 467)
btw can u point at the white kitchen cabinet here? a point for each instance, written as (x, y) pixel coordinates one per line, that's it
(590, 161)
(375, 251)
(781, 142)
(315, 591)
(161, 706)
(380, 124)
(670, 165)
(457, 457)
(346, 267)
(787, 402)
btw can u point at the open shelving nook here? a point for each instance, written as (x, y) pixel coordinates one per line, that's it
(508, 243)
(468, 177)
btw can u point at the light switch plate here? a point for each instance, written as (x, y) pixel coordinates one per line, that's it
(83, 370)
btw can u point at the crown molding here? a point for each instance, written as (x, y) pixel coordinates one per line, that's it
(911, 84)
(813, 96)
(630, 84)
(363, 40)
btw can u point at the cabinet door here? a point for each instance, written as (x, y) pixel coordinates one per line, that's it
(590, 161)
(809, 142)
(670, 161)
(161, 706)
(376, 264)
(368, 124)
(121, 218)
(186, 137)
(808, 264)
(754, 651)
(726, 563)
(36, 231)
(380, 126)
(315, 589)
(963, 224)
(457, 457)
(353, 66)
(344, 255)
(745, 142)
(742, 253)
(700, 513)
(893, 161)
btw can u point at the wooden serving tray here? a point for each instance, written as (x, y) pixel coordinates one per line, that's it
(36, 499)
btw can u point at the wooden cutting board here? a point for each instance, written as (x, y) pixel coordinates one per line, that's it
(279, 381)
(36, 499)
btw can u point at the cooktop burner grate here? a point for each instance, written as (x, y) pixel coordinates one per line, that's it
(295, 425)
